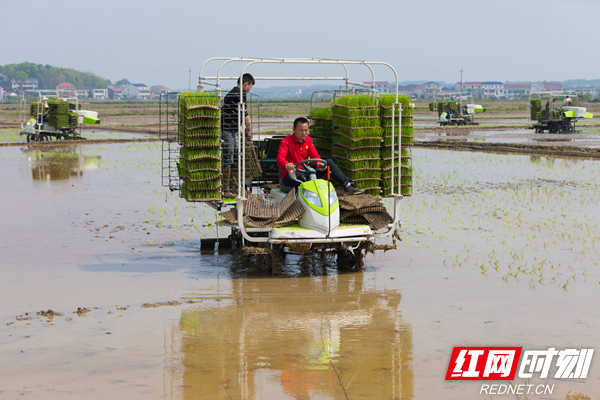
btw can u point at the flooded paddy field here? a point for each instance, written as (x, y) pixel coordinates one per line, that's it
(588, 137)
(497, 250)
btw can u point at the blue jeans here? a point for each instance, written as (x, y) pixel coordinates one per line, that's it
(229, 149)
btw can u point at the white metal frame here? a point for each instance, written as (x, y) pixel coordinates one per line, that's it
(215, 81)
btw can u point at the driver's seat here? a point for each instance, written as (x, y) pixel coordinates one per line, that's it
(284, 188)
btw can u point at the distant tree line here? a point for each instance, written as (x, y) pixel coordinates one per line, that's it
(49, 76)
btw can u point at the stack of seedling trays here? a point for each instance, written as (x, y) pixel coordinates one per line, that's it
(452, 105)
(536, 109)
(441, 107)
(58, 115)
(320, 130)
(73, 119)
(405, 125)
(357, 140)
(35, 108)
(200, 156)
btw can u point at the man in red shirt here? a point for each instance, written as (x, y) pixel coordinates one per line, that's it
(298, 147)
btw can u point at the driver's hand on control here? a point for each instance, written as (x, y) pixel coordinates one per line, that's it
(290, 167)
(321, 166)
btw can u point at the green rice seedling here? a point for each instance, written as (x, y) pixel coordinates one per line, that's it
(386, 154)
(346, 142)
(371, 153)
(201, 176)
(357, 164)
(199, 122)
(321, 133)
(200, 154)
(320, 112)
(73, 119)
(386, 163)
(199, 132)
(365, 173)
(34, 108)
(195, 99)
(199, 141)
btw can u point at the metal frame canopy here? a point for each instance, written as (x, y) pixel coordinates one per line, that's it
(205, 80)
(250, 61)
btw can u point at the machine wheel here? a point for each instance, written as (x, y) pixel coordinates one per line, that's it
(236, 242)
(345, 260)
(277, 257)
(553, 128)
(264, 262)
(43, 137)
(30, 138)
(358, 258)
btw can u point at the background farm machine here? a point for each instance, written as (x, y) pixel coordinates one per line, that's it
(450, 112)
(54, 118)
(552, 112)
(267, 220)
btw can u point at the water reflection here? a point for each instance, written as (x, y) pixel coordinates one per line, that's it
(55, 163)
(297, 338)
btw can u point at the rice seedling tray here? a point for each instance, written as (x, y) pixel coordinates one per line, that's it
(208, 186)
(196, 176)
(386, 164)
(369, 153)
(345, 164)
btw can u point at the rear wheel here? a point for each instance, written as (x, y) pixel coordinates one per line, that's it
(554, 128)
(345, 260)
(358, 258)
(264, 262)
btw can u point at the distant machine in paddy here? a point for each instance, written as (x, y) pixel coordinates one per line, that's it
(555, 112)
(453, 112)
(54, 118)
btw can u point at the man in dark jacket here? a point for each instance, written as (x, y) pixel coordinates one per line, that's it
(230, 129)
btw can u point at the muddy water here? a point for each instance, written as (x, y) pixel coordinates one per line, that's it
(585, 139)
(497, 251)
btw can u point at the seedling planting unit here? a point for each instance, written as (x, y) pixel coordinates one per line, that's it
(450, 112)
(547, 112)
(54, 119)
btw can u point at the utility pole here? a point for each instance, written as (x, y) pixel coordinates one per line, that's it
(460, 95)
(190, 82)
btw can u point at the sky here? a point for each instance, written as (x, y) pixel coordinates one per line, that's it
(157, 42)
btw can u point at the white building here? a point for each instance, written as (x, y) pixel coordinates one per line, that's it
(82, 93)
(29, 84)
(492, 89)
(99, 94)
(136, 91)
(381, 86)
